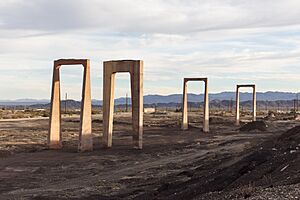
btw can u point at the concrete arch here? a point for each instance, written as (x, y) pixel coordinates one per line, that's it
(237, 111)
(85, 132)
(184, 125)
(135, 68)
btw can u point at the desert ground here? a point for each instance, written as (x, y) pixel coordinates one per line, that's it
(255, 162)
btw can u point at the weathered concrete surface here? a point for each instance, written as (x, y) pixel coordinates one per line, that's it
(135, 68)
(237, 112)
(85, 133)
(185, 104)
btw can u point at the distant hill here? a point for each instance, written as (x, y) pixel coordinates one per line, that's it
(23, 102)
(173, 98)
(177, 98)
(71, 104)
(213, 104)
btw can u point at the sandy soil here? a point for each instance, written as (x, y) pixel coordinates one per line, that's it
(224, 164)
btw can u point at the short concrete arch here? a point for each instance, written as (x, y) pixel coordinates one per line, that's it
(237, 111)
(184, 125)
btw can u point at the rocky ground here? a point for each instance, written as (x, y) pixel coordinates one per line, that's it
(254, 161)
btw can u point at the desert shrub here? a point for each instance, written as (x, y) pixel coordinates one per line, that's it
(18, 115)
(45, 114)
(247, 191)
(268, 180)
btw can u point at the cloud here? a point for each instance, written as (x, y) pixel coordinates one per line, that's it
(148, 16)
(229, 41)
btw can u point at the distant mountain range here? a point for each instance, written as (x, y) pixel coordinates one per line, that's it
(174, 98)
(177, 98)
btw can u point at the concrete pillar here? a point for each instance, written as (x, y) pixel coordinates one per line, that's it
(184, 125)
(136, 77)
(206, 109)
(237, 107)
(254, 103)
(108, 103)
(85, 132)
(54, 136)
(135, 68)
(85, 135)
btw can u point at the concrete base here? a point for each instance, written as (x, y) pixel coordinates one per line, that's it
(55, 145)
(86, 143)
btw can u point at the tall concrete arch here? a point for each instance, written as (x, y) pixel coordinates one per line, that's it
(184, 125)
(135, 68)
(85, 133)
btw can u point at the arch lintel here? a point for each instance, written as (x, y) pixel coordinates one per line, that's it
(195, 79)
(60, 62)
(245, 86)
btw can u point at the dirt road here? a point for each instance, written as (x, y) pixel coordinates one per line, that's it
(173, 164)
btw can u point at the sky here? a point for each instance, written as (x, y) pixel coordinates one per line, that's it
(229, 41)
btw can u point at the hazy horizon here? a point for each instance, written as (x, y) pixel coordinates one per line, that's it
(190, 93)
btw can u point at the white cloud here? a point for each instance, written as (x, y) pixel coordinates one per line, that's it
(148, 16)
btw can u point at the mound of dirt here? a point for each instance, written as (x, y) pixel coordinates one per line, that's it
(291, 135)
(254, 126)
(290, 139)
(271, 171)
(220, 120)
